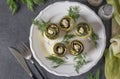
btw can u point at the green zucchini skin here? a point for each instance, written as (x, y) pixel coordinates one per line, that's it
(52, 31)
(76, 47)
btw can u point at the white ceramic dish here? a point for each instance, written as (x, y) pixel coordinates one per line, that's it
(41, 46)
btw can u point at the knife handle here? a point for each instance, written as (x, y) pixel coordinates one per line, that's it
(34, 71)
(34, 62)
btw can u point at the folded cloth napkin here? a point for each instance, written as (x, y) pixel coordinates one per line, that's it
(112, 55)
(112, 59)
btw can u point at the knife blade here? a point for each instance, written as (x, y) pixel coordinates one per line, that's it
(20, 59)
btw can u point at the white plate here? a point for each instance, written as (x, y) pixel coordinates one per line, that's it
(41, 46)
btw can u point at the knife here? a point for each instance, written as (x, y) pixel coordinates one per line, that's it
(20, 59)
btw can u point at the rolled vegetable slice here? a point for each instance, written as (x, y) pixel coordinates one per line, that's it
(60, 49)
(84, 30)
(76, 47)
(66, 23)
(52, 31)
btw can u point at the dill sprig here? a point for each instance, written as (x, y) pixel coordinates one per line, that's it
(41, 25)
(31, 3)
(96, 76)
(67, 37)
(58, 61)
(74, 12)
(94, 37)
(13, 5)
(80, 61)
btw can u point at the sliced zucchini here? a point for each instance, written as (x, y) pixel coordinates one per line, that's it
(76, 47)
(60, 49)
(84, 30)
(66, 23)
(52, 31)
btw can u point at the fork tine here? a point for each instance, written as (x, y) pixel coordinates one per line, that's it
(26, 47)
(23, 51)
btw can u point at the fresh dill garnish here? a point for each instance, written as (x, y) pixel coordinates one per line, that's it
(94, 37)
(31, 3)
(58, 61)
(13, 5)
(67, 37)
(74, 12)
(96, 76)
(80, 61)
(41, 25)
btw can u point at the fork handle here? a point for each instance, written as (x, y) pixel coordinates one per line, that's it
(35, 65)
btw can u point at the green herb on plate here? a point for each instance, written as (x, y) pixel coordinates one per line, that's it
(74, 12)
(94, 37)
(96, 76)
(13, 5)
(41, 25)
(58, 61)
(67, 37)
(80, 61)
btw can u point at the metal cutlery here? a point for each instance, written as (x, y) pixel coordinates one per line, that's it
(27, 54)
(22, 62)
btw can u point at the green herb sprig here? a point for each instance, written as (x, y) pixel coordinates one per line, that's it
(41, 25)
(94, 37)
(67, 37)
(31, 3)
(80, 61)
(74, 12)
(58, 61)
(96, 76)
(13, 5)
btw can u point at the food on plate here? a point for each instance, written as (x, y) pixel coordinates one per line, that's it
(52, 31)
(84, 30)
(66, 23)
(68, 41)
(76, 47)
(60, 49)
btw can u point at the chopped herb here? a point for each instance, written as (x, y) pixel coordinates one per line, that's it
(96, 76)
(41, 25)
(80, 61)
(74, 12)
(94, 37)
(67, 37)
(13, 5)
(58, 61)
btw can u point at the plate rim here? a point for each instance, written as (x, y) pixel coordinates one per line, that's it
(40, 63)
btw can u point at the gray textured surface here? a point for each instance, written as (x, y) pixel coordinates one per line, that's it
(14, 29)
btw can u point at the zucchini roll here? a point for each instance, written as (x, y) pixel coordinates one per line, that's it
(52, 31)
(60, 49)
(66, 23)
(84, 30)
(76, 47)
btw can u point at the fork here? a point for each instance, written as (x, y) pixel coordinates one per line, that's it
(27, 54)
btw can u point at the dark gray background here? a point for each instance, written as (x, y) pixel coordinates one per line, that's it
(15, 29)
